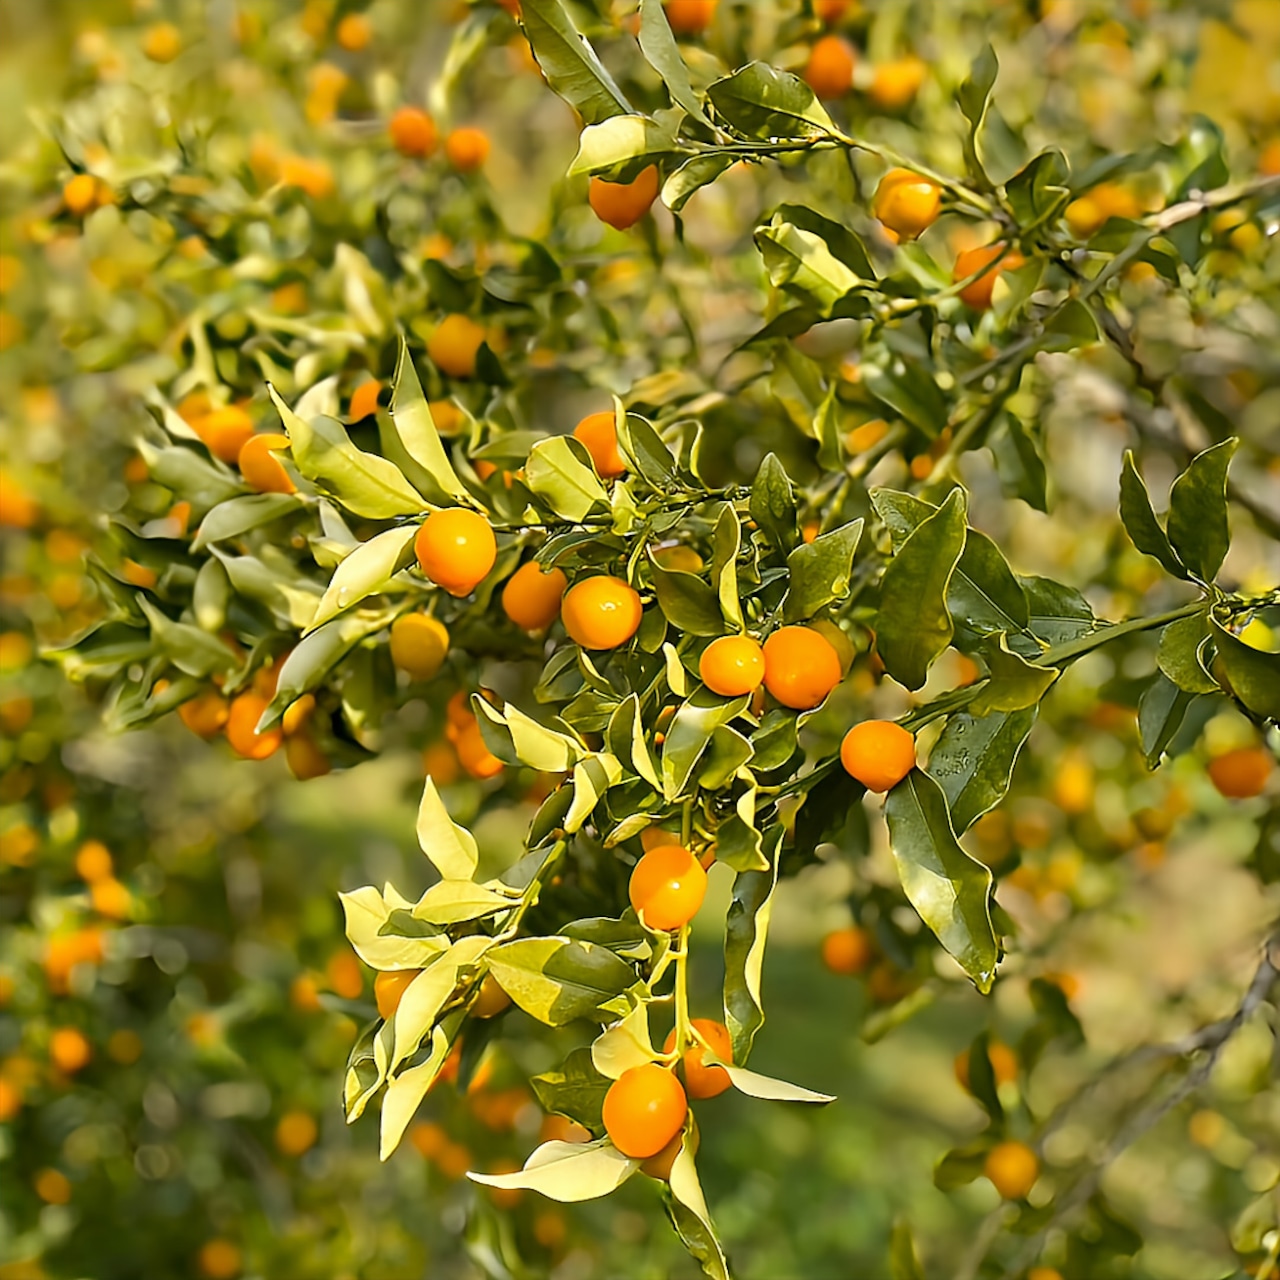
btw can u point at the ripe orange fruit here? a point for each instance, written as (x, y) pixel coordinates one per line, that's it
(831, 11)
(667, 887)
(80, 194)
(440, 763)
(1269, 159)
(261, 469)
(69, 1050)
(1004, 1064)
(10, 1100)
(364, 400)
(296, 1133)
(1044, 1273)
(906, 203)
(599, 432)
(456, 549)
(829, 71)
(18, 509)
(454, 343)
(689, 17)
(467, 148)
(601, 612)
(623, 204)
(205, 714)
(52, 1186)
(162, 42)
(1242, 773)
(297, 713)
(702, 1081)
(305, 759)
(419, 644)
(732, 666)
(354, 32)
(878, 753)
(412, 132)
(848, 951)
(800, 667)
(93, 861)
(531, 598)
(219, 1259)
(110, 898)
(241, 729)
(644, 1109)
(894, 84)
(1012, 1168)
(978, 294)
(492, 999)
(473, 753)
(224, 431)
(389, 988)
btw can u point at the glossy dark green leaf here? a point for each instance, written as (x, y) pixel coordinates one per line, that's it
(973, 760)
(558, 980)
(773, 504)
(570, 64)
(726, 753)
(982, 1078)
(687, 601)
(1019, 462)
(763, 102)
(663, 54)
(820, 571)
(912, 624)
(688, 735)
(1251, 674)
(1161, 710)
(1197, 522)
(775, 739)
(1179, 656)
(1057, 613)
(1140, 519)
(1038, 190)
(576, 1090)
(745, 933)
(641, 445)
(910, 391)
(950, 891)
(1012, 682)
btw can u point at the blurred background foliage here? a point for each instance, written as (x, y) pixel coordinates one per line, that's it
(177, 999)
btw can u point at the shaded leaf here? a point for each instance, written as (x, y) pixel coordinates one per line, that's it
(570, 64)
(973, 760)
(1198, 526)
(820, 571)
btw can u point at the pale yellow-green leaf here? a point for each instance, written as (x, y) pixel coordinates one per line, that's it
(453, 901)
(451, 848)
(405, 1093)
(568, 1171)
(366, 912)
(355, 1095)
(677, 676)
(427, 994)
(592, 777)
(539, 747)
(367, 569)
(624, 1045)
(411, 418)
(757, 1086)
(687, 1190)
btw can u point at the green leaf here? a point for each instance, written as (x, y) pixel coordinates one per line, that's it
(568, 1171)
(662, 53)
(643, 448)
(973, 96)
(739, 844)
(1198, 526)
(275, 580)
(367, 570)
(193, 651)
(904, 1262)
(362, 482)
(570, 64)
(1140, 519)
(842, 243)
(973, 760)
(962, 1165)
(909, 390)
(210, 596)
(820, 571)
(1038, 191)
(688, 735)
(1250, 674)
(727, 752)
(559, 471)
(366, 913)
(1161, 710)
(416, 431)
(1019, 462)
(317, 654)
(592, 777)
(450, 847)
(577, 1089)
(539, 747)
(625, 738)
(726, 542)
(950, 891)
(1181, 644)
(912, 623)
(238, 516)
(691, 177)
(200, 482)
(1071, 326)
(763, 102)
(745, 933)
(1057, 613)
(690, 1216)
(686, 600)
(802, 263)
(612, 143)
(1013, 683)
(558, 980)
(773, 504)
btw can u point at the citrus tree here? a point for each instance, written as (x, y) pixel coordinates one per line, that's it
(714, 542)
